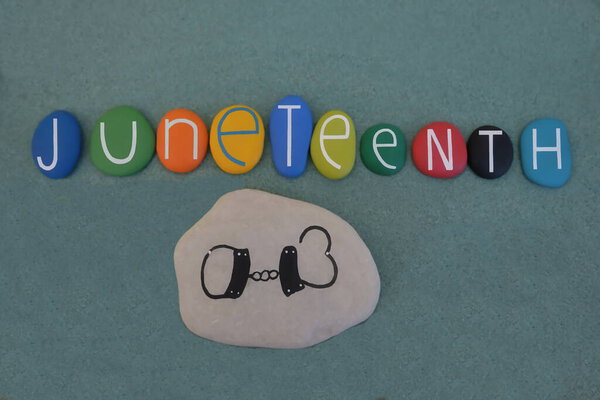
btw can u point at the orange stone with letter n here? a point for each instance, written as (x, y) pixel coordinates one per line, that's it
(181, 140)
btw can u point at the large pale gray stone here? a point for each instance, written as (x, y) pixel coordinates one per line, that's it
(265, 313)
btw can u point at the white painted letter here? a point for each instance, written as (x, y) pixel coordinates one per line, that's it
(323, 137)
(169, 124)
(378, 145)
(289, 109)
(555, 149)
(54, 148)
(133, 145)
(448, 161)
(490, 135)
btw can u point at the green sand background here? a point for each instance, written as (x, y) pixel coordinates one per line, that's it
(490, 289)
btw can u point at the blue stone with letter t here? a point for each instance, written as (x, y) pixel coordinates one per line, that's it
(56, 144)
(290, 131)
(545, 152)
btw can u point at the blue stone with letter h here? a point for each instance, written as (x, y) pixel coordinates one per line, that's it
(545, 152)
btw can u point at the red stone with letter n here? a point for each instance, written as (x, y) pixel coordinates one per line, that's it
(439, 150)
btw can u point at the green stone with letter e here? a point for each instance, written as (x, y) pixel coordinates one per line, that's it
(383, 149)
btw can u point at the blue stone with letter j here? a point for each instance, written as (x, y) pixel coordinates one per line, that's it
(56, 144)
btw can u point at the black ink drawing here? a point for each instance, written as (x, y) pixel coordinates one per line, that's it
(288, 274)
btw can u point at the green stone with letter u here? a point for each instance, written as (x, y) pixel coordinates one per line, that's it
(122, 142)
(383, 149)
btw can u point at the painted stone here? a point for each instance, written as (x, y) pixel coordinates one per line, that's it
(290, 130)
(383, 149)
(122, 142)
(439, 150)
(546, 153)
(490, 152)
(261, 270)
(333, 145)
(56, 144)
(181, 140)
(237, 138)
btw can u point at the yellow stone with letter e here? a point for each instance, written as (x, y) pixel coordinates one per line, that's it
(237, 138)
(333, 145)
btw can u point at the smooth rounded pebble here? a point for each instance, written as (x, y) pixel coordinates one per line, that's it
(237, 138)
(439, 150)
(56, 144)
(333, 145)
(181, 140)
(290, 130)
(546, 153)
(490, 152)
(122, 142)
(383, 149)
(262, 270)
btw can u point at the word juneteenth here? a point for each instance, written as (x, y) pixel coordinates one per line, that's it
(123, 142)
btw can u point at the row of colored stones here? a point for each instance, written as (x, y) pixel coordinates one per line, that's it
(123, 142)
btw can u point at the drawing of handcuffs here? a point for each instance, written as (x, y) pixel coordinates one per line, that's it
(288, 275)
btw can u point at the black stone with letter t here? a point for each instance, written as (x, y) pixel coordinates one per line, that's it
(490, 152)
